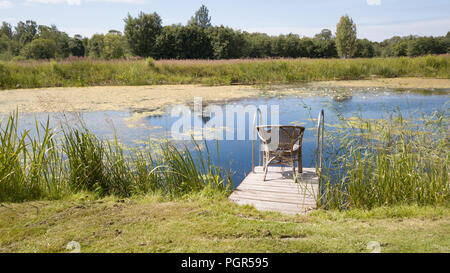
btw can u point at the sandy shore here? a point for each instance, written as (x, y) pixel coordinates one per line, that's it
(152, 100)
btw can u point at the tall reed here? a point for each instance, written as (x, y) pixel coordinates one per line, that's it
(53, 164)
(388, 162)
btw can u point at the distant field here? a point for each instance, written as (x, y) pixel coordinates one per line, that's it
(90, 72)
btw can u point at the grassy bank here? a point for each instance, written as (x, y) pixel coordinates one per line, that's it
(88, 72)
(196, 224)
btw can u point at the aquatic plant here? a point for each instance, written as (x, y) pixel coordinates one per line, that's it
(386, 162)
(52, 165)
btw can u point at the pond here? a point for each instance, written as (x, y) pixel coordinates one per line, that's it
(235, 155)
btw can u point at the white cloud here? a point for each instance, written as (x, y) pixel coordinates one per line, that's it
(373, 2)
(5, 4)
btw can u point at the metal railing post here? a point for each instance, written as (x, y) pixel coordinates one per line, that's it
(258, 111)
(320, 134)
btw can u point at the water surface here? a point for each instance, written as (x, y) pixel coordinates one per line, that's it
(235, 155)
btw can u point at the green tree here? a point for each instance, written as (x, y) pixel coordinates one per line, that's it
(446, 40)
(307, 48)
(399, 49)
(426, 45)
(76, 46)
(85, 42)
(60, 38)
(201, 18)
(325, 44)
(6, 30)
(324, 35)
(257, 45)
(113, 46)
(346, 37)
(25, 33)
(169, 43)
(195, 43)
(291, 46)
(226, 43)
(6, 42)
(364, 49)
(96, 45)
(184, 42)
(141, 33)
(39, 49)
(277, 46)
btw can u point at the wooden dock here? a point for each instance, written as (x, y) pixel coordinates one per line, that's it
(279, 192)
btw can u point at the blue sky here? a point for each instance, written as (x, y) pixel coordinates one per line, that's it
(375, 19)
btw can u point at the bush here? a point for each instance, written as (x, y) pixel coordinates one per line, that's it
(39, 49)
(150, 62)
(6, 80)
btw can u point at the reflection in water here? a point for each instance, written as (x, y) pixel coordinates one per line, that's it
(236, 154)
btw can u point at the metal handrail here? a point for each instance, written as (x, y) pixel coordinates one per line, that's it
(320, 134)
(254, 137)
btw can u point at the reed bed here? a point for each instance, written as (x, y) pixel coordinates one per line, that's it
(388, 162)
(53, 164)
(92, 72)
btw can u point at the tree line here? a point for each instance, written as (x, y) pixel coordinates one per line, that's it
(145, 36)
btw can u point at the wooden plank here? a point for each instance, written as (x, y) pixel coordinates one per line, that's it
(310, 191)
(279, 192)
(282, 195)
(291, 186)
(273, 169)
(278, 199)
(267, 204)
(280, 179)
(278, 182)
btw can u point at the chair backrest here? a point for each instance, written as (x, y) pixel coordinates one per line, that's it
(288, 135)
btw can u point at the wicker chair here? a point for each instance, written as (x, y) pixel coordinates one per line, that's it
(286, 150)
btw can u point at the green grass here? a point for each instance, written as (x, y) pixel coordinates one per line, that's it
(51, 165)
(154, 223)
(88, 72)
